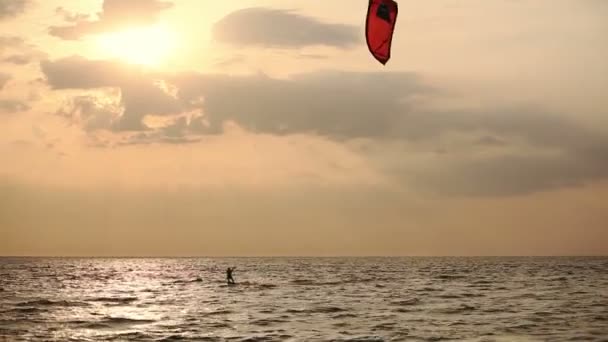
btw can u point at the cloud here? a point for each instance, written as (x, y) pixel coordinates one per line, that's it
(337, 104)
(157, 137)
(90, 113)
(15, 50)
(71, 17)
(8, 42)
(80, 73)
(140, 94)
(281, 28)
(545, 150)
(18, 59)
(496, 149)
(514, 173)
(13, 106)
(12, 8)
(536, 152)
(115, 15)
(353, 105)
(4, 78)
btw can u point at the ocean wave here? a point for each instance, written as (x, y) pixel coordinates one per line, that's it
(94, 325)
(218, 312)
(170, 338)
(114, 300)
(26, 309)
(131, 336)
(344, 316)
(182, 281)
(264, 322)
(361, 339)
(449, 296)
(262, 338)
(327, 309)
(322, 309)
(48, 302)
(384, 326)
(219, 325)
(176, 338)
(406, 302)
(111, 320)
(451, 276)
(326, 299)
(312, 282)
(460, 309)
(302, 282)
(522, 326)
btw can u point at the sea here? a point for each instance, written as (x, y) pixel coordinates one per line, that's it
(305, 299)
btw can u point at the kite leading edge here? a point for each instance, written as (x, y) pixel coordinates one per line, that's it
(379, 28)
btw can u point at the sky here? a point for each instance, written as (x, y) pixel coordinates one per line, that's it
(266, 128)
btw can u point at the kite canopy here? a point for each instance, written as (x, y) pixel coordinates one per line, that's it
(379, 28)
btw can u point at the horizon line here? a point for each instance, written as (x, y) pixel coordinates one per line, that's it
(296, 256)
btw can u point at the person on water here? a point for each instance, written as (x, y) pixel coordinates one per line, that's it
(229, 278)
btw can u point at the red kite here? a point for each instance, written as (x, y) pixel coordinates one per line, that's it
(379, 28)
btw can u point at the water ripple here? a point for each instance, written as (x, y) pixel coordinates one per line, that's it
(316, 299)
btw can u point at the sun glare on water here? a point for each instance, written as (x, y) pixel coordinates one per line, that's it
(146, 46)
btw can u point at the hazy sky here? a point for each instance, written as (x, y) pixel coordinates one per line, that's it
(265, 127)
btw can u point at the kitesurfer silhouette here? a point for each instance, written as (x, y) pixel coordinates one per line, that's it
(229, 278)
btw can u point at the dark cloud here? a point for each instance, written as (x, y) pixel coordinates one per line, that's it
(281, 28)
(350, 105)
(90, 113)
(515, 174)
(13, 106)
(115, 15)
(140, 98)
(340, 105)
(545, 151)
(12, 8)
(184, 126)
(80, 73)
(140, 94)
(556, 151)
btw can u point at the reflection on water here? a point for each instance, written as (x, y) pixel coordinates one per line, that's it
(278, 299)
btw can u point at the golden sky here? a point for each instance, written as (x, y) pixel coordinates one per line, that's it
(250, 127)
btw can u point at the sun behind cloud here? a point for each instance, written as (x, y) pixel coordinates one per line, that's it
(147, 46)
